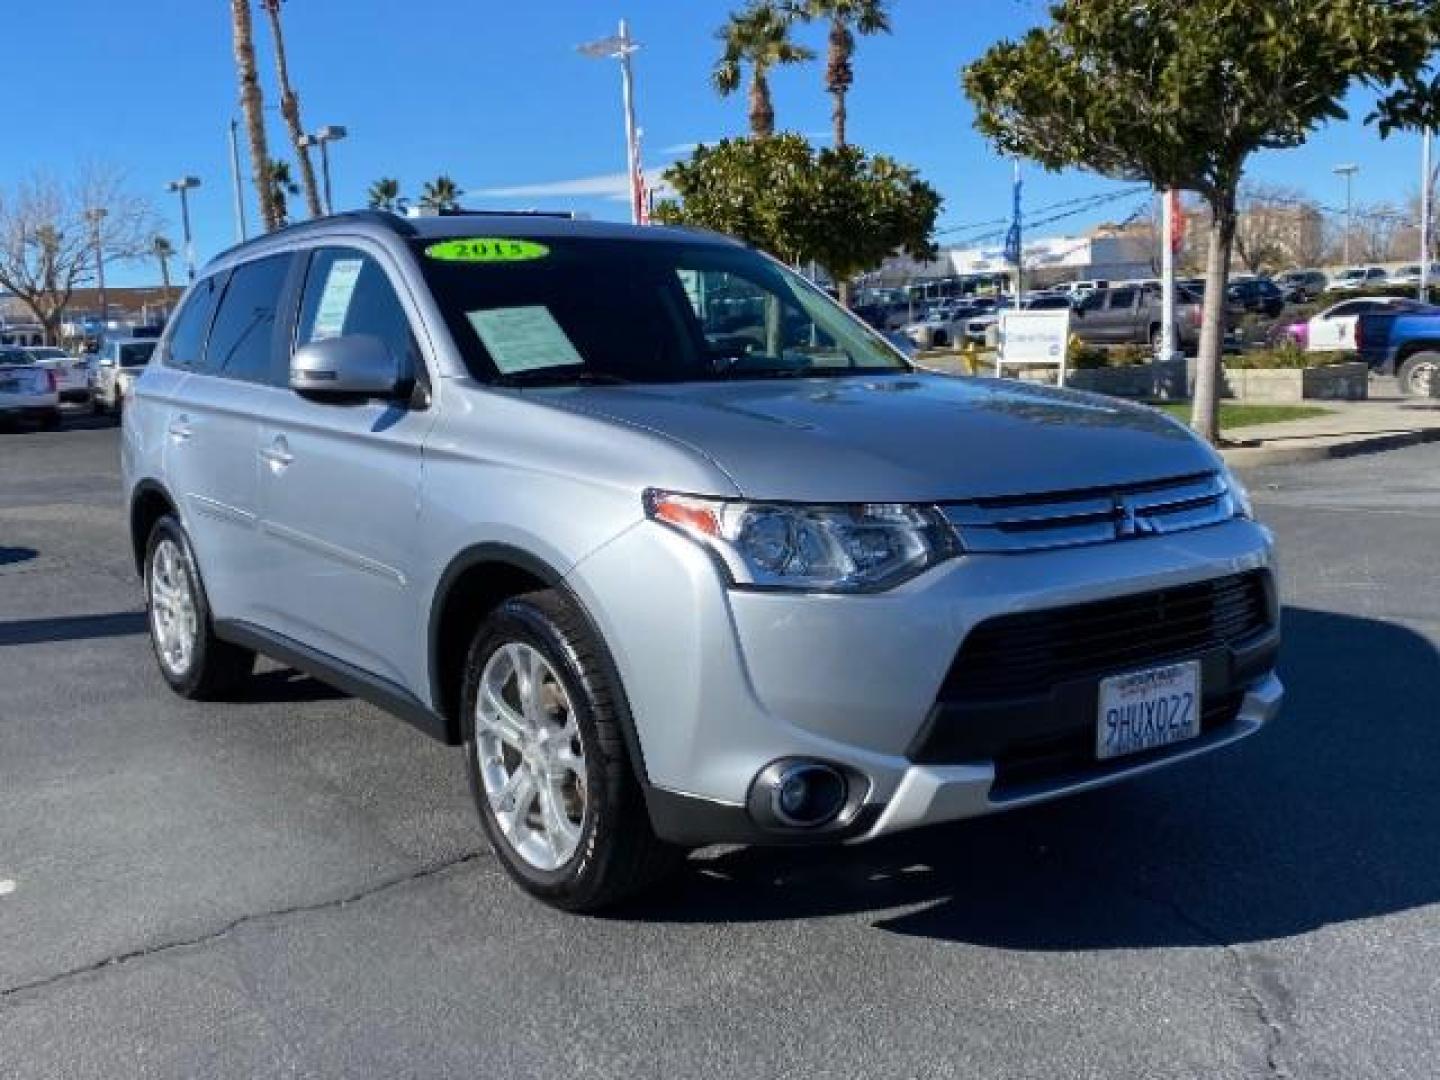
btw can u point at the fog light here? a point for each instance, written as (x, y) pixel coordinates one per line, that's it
(806, 794)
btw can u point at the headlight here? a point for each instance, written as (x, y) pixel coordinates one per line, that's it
(1240, 503)
(846, 549)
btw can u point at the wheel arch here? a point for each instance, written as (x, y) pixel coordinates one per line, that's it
(476, 580)
(148, 504)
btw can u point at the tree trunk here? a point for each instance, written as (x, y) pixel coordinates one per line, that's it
(762, 112)
(290, 110)
(839, 75)
(253, 105)
(1205, 418)
(165, 276)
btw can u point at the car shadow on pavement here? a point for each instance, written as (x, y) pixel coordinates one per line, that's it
(71, 627)
(1331, 814)
(283, 685)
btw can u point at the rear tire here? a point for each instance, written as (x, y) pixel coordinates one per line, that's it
(194, 662)
(556, 792)
(1418, 373)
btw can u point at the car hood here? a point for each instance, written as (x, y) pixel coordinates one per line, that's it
(912, 437)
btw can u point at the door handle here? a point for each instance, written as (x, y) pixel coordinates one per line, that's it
(277, 455)
(180, 428)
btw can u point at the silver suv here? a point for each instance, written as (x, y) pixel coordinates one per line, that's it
(678, 550)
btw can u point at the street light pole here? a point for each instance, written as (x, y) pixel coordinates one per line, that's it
(1427, 138)
(96, 216)
(323, 138)
(1348, 171)
(621, 47)
(182, 186)
(235, 180)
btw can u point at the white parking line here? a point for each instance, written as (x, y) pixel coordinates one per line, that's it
(6, 886)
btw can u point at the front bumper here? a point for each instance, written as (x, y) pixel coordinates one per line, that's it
(722, 682)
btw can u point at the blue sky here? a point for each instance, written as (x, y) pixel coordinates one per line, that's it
(495, 94)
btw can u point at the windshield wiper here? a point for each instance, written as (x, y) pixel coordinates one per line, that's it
(560, 377)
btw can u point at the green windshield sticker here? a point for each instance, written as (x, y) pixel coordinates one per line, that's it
(487, 249)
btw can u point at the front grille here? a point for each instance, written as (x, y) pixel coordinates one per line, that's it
(1071, 753)
(1027, 654)
(1092, 516)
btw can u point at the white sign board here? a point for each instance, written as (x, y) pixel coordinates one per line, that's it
(1331, 335)
(1034, 337)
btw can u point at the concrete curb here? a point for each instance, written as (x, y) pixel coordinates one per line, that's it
(1249, 457)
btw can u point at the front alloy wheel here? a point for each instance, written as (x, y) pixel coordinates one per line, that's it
(544, 722)
(530, 756)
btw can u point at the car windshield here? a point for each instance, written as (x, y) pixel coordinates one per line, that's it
(136, 354)
(48, 354)
(607, 311)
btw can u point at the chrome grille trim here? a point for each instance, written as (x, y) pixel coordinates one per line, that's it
(1073, 519)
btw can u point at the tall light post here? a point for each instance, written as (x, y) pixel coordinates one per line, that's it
(183, 185)
(238, 192)
(621, 47)
(96, 217)
(1427, 209)
(323, 138)
(1348, 172)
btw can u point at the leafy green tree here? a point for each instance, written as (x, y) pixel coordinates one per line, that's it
(846, 18)
(758, 36)
(384, 194)
(281, 185)
(846, 210)
(1182, 92)
(442, 193)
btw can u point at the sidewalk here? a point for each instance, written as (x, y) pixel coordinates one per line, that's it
(1353, 427)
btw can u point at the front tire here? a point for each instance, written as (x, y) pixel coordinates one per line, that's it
(1417, 374)
(193, 661)
(552, 781)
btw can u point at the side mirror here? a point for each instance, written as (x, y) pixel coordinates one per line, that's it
(357, 365)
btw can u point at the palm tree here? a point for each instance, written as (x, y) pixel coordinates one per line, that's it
(847, 18)
(385, 194)
(164, 251)
(760, 37)
(440, 194)
(253, 104)
(281, 184)
(290, 109)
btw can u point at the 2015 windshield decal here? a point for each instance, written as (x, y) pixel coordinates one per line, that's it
(486, 249)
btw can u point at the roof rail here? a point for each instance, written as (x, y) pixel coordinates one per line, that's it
(465, 211)
(383, 218)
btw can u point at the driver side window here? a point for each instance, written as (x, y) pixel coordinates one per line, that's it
(347, 292)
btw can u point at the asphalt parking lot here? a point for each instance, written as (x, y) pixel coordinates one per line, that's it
(294, 884)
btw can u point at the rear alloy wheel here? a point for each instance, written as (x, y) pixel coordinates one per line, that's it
(1417, 375)
(192, 659)
(548, 765)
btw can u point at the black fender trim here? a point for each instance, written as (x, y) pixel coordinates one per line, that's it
(144, 488)
(520, 559)
(383, 693)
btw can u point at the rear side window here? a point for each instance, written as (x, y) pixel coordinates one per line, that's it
(1122, 299)
(347, 292)
(186, 347)
(242, 341)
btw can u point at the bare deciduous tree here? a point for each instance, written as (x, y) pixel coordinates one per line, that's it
(48, 236)
(1274, 225)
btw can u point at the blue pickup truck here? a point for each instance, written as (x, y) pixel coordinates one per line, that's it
(1405, 344)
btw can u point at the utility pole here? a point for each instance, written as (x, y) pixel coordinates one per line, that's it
(1348, 172)
(1427, 138)
(621, 47)
(96, 216)
(1169, 221)
(235, 180)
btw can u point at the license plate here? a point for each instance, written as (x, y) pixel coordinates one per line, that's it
(1145, 709)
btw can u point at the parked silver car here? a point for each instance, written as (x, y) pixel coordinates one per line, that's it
(115, 370)
(676, 548)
